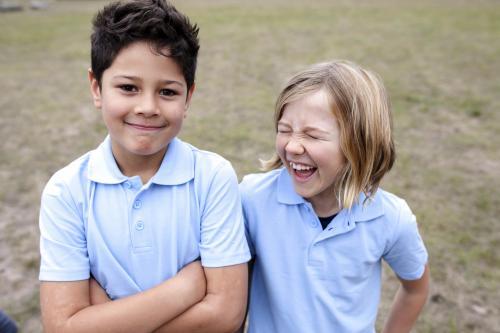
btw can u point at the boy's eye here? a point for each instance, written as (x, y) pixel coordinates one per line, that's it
(168, 92)
(128, 87)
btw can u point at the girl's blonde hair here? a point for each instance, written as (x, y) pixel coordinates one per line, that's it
(361, 105)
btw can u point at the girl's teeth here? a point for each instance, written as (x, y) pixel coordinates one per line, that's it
(300, 167)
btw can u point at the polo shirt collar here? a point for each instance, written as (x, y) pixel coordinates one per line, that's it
(359, 212)
(176, 168)
(365, 211)
(286, 192)
(102, 165)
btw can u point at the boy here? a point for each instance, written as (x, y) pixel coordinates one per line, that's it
(137, 212)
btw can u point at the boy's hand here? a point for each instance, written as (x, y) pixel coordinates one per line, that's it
(97, 293)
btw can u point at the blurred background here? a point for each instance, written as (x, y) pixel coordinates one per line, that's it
(440, 61)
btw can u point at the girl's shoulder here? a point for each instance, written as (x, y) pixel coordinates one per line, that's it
(385, 206)
(262, 180)
(392, 204)
(259, 184)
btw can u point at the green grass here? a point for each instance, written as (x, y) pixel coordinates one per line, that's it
(439, 60)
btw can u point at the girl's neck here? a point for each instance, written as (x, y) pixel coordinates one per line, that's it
(325, 205)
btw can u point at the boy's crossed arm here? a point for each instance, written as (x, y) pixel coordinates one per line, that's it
(221, 310)
(66, 306)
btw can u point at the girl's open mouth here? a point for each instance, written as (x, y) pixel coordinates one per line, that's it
(302, 172)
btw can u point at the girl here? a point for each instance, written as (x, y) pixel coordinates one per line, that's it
(317, 221)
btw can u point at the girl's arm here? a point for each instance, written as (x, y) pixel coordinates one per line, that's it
(407, 304)
(67, 307)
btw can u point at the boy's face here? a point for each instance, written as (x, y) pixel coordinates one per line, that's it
(308, 143)
(143, 99)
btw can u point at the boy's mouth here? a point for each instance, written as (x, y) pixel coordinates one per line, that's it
(302, 171)
(145, 127)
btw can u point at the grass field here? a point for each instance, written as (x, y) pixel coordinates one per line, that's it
(439, 59)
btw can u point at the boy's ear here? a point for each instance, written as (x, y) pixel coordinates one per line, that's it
(95, 90)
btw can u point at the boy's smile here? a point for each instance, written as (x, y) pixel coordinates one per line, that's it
(143, 99)
(308, 143)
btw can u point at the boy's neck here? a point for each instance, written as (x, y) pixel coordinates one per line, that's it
(143, 166)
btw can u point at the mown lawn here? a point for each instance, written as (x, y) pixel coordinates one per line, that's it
(439, 59)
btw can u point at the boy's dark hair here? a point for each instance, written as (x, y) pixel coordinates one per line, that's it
(170, 33)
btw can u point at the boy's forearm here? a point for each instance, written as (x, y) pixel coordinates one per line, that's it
(202, 317)
(142, 312)
(222, 309)
(406, 307)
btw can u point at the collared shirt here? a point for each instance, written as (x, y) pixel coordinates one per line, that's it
(306, 279)
(132, 236)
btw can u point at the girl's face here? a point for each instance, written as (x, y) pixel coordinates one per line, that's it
(308, 143)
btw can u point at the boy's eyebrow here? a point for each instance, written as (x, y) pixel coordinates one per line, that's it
(173, 82)
(136, 78)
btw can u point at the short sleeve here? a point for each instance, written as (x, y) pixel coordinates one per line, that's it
(223, 240)
(63, 245)
(406, 253)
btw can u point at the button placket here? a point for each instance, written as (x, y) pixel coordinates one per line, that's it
(313, 218)
(141, 233)
(139, 225)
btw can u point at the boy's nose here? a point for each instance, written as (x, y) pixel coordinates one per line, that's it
(294, 146)
(147, 106)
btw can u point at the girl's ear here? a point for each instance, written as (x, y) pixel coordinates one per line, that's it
(95, 90)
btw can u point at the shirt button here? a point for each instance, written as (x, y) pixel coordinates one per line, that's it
(139, 225)
(137, 204)
(314, 224)
(128, 185)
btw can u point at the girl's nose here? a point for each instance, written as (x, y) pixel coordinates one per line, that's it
(294, 146)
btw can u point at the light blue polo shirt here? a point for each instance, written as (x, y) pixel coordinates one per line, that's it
(307, 279)
(132, 236)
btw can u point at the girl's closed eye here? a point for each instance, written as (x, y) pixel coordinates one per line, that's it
(284, 129)
(313, 136)
(317, 135)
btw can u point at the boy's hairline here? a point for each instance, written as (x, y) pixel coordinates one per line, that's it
(155, 49)
(186, 35)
